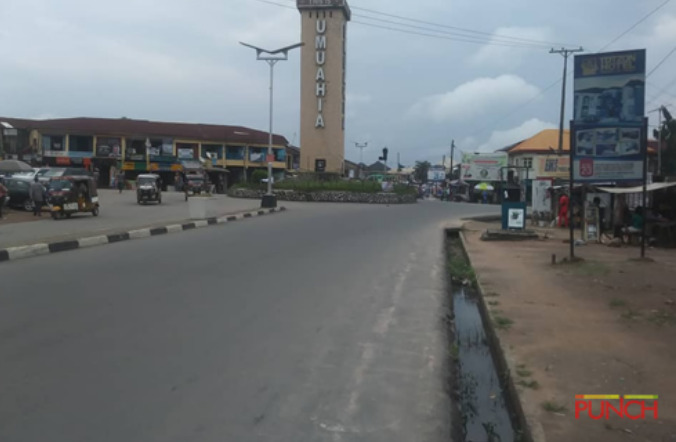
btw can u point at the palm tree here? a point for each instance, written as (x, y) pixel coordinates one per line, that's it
(420, 171)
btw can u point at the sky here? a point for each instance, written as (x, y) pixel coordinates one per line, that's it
(180, 60)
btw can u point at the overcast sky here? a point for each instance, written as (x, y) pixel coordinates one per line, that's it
(179, 60)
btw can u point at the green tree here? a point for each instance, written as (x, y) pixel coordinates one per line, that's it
(420, 171)
(668, 135)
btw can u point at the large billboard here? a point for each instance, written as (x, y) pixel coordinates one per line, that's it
(608, 136)
(436, 173)
(483, 166)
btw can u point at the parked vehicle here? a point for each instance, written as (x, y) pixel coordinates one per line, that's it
(148, 188)
(40, 172)
(66, 171)
(194, 184)
(72, 194)
(18, 191)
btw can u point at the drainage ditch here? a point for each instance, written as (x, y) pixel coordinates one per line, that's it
(486, 412)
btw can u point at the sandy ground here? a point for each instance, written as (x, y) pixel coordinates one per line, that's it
(606, 325)
(12, 216)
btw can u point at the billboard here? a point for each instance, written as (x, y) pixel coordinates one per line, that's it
(436, 174)
(554, 167)
(608, 136)
(483, 166)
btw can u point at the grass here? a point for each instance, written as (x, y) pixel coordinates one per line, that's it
(615, 302)
(460, 269)
(528, 384)
(630, 314)
(493, 303)
(492, 295)
(589, 268)
(502, 323)
(523, 372)
(455, 352)
(662, 317)
(335, 186)
(553, 407)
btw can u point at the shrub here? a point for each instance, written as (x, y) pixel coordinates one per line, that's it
(258, 175)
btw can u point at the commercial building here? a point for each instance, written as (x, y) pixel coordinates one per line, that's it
(138, 146)
(322, 106)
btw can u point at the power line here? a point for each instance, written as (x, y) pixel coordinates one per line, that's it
(661, 62)
(632, 27)
(474, 39)
(484, 37)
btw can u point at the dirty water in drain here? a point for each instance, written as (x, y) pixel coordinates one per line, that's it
(482, 404)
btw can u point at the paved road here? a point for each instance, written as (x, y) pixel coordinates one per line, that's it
(118, 212)
(319, 324)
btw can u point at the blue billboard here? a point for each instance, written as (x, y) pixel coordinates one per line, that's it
(608, 133)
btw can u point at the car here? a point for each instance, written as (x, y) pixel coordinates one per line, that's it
(18, 191)
(30, 176)
(67, 171)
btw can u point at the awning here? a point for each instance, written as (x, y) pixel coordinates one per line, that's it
(638, 189)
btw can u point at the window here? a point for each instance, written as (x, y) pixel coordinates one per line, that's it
(216, 150)
(136, 149)
(528, 162)
(108, 147)
(53, 143)
(280, 154)
(257, 154)
(234, 152)
(78, 143)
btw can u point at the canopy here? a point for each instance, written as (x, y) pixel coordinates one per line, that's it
(13, 166)
(638, 189)
(483, 186)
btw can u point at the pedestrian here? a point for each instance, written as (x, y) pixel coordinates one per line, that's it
(37, 194)
(484, 196)
(563, 210)
(120, 181)
(3, 196)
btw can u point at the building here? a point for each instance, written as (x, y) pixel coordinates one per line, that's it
(138, 146)
(322, 106)
(538, 156)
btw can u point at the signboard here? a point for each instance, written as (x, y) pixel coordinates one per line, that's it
(482, 166)
(542, 199)
(608, 136)
(436, 174)
(554, 167)
(55, 153)
(185, 153)
(516, 218)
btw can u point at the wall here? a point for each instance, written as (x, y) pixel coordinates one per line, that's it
(331, 196)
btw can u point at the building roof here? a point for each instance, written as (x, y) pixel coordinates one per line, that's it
(542, 142)
(547, 141)
(144, 128)
(377, 167)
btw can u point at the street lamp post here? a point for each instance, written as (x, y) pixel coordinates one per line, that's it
(269, 200)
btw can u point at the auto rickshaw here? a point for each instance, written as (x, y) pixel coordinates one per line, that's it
(194, 184)
(148, 188)
(72, 194)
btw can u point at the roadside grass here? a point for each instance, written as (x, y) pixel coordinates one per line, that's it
(528, 383)
(460, 269)
(630, 314)
(502, 323)
(588, 268)
(615, 302)
(491, 295)
(493, 303)
(523, 372)
(553, 407)
(662, 317)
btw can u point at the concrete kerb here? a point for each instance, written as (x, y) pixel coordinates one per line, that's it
(28, 251)
(505, 362)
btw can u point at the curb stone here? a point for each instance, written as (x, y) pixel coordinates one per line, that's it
(28, 251)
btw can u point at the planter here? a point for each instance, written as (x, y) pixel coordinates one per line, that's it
(198, 207)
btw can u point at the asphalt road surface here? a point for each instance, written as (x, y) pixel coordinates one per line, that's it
(323, 323)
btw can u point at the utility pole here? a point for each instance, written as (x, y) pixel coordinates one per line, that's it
(565, 53)
(452, 152)
(361, 148)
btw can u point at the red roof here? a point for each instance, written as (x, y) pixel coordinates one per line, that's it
(143, 128)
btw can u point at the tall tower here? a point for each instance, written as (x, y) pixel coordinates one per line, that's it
(322, 96)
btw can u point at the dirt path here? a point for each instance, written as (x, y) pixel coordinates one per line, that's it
(604, 326)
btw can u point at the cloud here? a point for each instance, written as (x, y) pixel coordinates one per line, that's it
(358, 98)
(475, 98)
(665, 29)
(506, 57)
(503, 138)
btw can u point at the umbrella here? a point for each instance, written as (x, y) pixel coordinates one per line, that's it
(483, 186)
(14, 166)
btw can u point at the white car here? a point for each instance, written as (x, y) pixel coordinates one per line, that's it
(30, 176)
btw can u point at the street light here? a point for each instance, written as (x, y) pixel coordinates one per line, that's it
(272, 57)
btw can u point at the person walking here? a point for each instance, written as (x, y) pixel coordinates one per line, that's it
(564, 203)
(37, 194)
(120, 181)
(3, 196)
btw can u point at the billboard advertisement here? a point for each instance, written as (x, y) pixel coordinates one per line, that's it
(608, 136)
(436, 174)
(483, 166)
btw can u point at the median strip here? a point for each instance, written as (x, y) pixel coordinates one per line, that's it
(28, 251)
